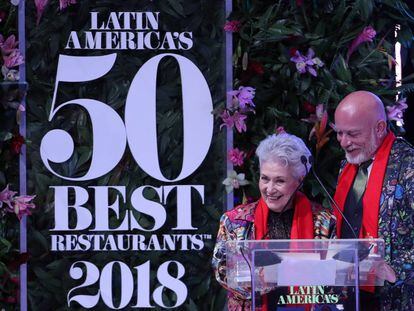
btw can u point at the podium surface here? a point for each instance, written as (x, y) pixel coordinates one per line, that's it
(303, 272)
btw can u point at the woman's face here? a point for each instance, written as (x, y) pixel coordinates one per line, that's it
(276, 185)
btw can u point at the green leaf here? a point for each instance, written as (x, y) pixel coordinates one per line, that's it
(365, 8)
(265, 18)
(341, 69)
(177, 6)
(407, 87)
(305, 83)
(4, 136)
(5, 246)
(278, 113)
(40, 239)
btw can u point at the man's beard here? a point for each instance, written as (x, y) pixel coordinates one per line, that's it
(366, 153)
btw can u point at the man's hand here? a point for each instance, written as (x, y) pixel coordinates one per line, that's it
(384, 271)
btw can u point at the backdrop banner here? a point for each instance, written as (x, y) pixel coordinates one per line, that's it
(124, 155)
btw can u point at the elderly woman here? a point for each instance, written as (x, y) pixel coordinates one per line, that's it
(282, 212)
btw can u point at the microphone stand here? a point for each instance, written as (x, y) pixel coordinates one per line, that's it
(330, 198)
(360, 254)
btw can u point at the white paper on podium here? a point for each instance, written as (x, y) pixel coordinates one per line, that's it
(306, 272)
(270, 273)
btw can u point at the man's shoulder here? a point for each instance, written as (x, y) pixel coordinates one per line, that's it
(401, 152)
(401, 146)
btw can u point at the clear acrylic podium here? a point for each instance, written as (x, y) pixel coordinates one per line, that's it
(303, 272)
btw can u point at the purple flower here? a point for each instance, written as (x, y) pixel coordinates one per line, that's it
(6, 196)
(307, 63)
(22, 205)
(396, 111)
(63, 4)
(9, 45)
(236, 120)
(13, 60)
(236, 156)
(40, 7)
(367, 35)
(232, 26)
(244, 95)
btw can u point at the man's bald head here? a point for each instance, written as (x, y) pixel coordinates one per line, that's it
(363, 103)
(360, 123)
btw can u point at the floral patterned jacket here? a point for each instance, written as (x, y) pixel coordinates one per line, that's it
(238, 224)
(396, 226)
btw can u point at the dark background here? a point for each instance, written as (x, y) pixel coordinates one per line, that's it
(408, 68)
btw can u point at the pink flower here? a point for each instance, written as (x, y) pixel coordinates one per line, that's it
(6, 196)
(319, 119)
(9, 45)
(232, 26)
(280, 130)
(317, 116)
(13, 60)
(237, 120)
(63, 4)
(227, 119)
(244, 96)
(236, 156)
(367, 35)
(396, 111)
(22, 205)
(320, 111)
(40, 7)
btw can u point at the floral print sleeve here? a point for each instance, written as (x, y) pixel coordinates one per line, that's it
(396, 226)
(219, 258)
(403, 263)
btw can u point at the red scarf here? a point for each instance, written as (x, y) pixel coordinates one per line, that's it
(302, 225)
(371, 198)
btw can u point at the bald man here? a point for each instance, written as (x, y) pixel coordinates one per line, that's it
(376, 193)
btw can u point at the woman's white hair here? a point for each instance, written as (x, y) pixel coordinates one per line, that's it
(287, 150)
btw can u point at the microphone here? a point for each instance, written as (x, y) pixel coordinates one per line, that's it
(330, 198)
(346, 255)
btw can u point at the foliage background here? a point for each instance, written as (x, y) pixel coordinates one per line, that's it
(271, 32)
(49, 281)
(11, 94)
